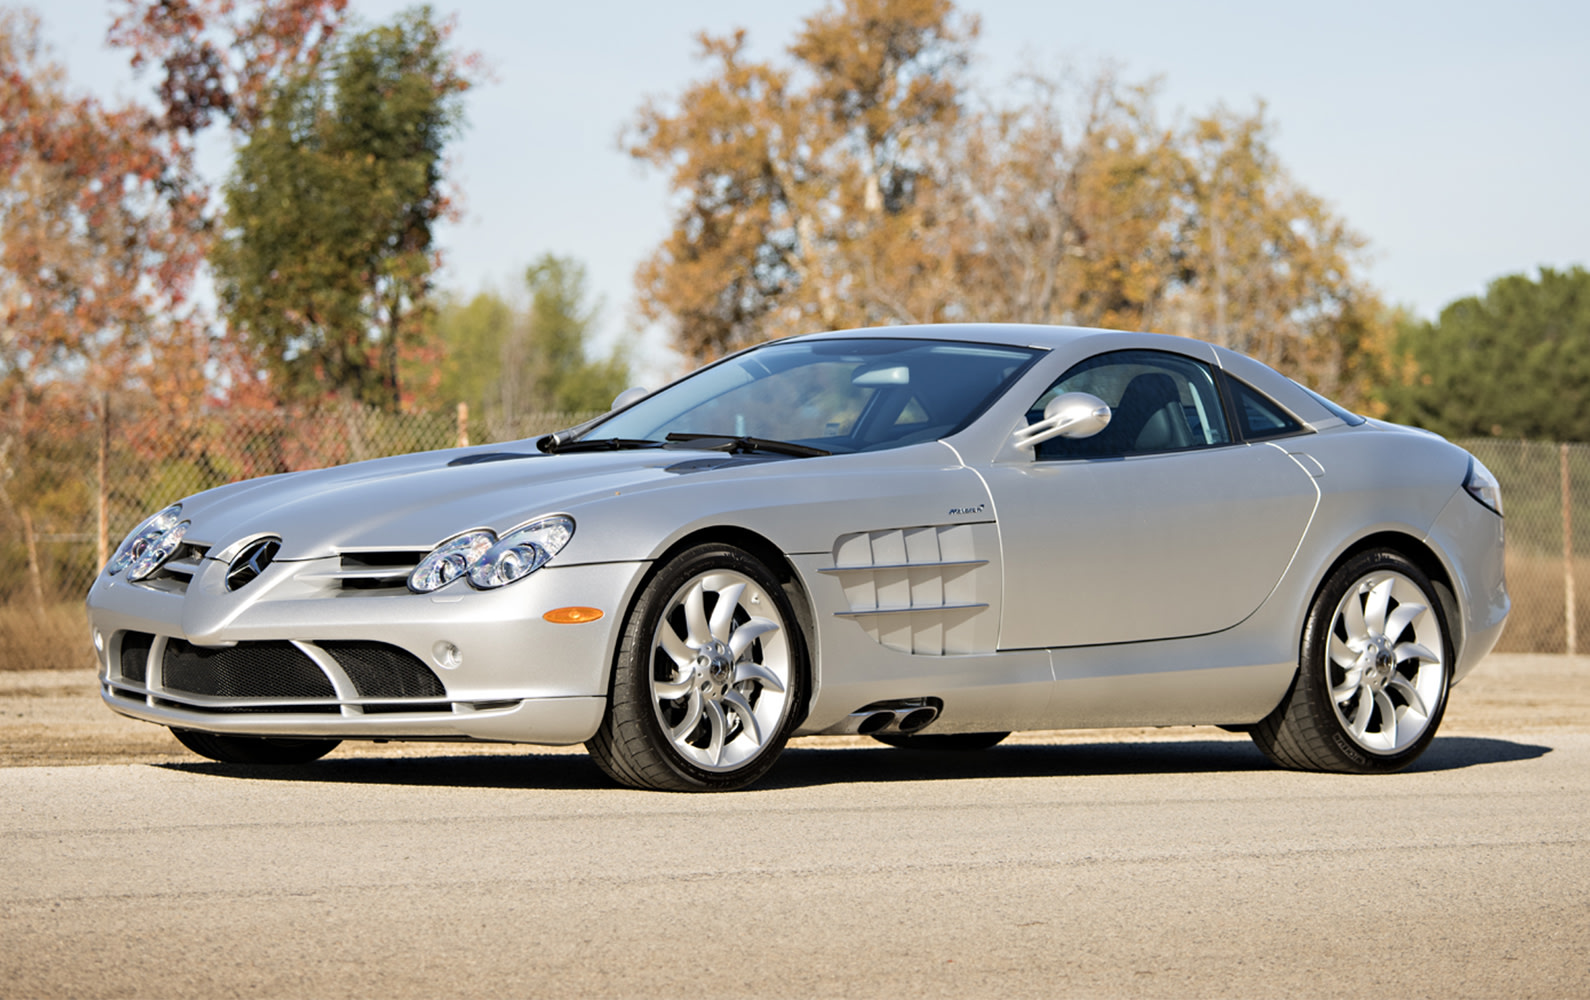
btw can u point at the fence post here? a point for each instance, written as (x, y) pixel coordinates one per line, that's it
(463, 425)
(103, 540)
(1567, 553)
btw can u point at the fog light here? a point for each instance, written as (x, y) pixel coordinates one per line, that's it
(99, 641)
(447, 655)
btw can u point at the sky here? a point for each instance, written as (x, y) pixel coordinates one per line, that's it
(1451, 135)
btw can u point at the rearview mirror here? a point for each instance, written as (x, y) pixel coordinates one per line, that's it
(890, 375)
(1070, 415)
(634, 394)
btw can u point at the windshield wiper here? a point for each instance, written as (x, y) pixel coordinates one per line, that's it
(744, 445)
(554, 445)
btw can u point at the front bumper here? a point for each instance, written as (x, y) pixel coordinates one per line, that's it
(290, 655)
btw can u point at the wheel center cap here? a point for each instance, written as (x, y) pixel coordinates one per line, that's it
(1385, 661)
(717, 663)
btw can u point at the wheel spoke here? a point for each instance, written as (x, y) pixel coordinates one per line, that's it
(1414, 651)
(1360, 723)
(1353, 617)
(1415, 703)
(1388, 716)
(1343, 654)
(1376, 606)
(671, 690)
(723, 611)
(747, 633)
(1351, 683)
(749, 671)
(749, 727)
(696, 625)
(718, 728)
(1405, 615)
(691, 720)
(676, 648)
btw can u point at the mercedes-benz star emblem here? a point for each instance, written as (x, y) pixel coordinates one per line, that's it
(251, 562)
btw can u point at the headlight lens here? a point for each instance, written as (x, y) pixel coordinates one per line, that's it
(150, 534)
(1483, 486)
(489, 562)
(521, 552)
(450, 560)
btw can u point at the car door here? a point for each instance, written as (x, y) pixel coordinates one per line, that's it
(1164, 524)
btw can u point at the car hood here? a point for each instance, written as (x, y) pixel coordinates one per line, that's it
(416, 501)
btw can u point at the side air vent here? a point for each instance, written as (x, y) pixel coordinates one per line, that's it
(921, 590)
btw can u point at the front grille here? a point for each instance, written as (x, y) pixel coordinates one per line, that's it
(135, 648)
(249, 670)
(377, 571)
(382, 671)
(177, 572)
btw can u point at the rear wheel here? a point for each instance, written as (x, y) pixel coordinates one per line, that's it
(709, 678)
(941, 741)
(254, 749)
(1375, 668)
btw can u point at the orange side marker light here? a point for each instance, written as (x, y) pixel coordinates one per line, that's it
(572, 616)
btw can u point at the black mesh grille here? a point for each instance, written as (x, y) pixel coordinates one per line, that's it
(249, 670)
(135, 656)
(382, 671)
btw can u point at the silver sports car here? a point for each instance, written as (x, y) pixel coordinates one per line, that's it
(931, 535)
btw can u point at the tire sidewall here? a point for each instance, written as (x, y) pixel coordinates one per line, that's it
(633, 664)
(1314, 673)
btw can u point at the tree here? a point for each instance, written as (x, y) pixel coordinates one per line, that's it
(862, 186)
(325, 264)
(508, 360)
(221, 59)
(794, 199)
(1514, 362)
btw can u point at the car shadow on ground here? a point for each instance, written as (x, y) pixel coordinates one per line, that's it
(806, 766)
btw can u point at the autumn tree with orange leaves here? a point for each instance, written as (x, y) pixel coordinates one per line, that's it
(864, 182)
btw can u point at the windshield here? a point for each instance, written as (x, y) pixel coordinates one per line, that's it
(837, 395)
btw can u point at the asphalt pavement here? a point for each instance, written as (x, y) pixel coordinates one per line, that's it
(1165, 868)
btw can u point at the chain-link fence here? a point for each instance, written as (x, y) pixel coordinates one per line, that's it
(1546, 495)
(75, 479)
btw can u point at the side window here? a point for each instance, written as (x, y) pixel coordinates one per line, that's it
(1158, 402)
(1259, 416)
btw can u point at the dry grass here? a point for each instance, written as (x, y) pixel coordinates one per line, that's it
(56, 638)
(1538, 623)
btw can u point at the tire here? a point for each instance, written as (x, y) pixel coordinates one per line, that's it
(254, 749)
(963, 742)
(709, 680)
(1374, 670)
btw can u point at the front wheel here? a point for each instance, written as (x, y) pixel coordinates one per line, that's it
(254, 749)
(1374, 670)
(709, 678)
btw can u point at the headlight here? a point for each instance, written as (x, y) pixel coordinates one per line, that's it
(489, 562)
(521, 552)
(152, 536)
(1483, 486)
(450, 560)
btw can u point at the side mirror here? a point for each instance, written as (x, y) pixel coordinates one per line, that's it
(634, 394)
(1071, 415)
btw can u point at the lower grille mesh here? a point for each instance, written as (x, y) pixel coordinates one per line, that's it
(250, 670)
(135, 648)
(382, 671)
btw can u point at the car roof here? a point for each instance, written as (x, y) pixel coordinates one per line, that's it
(1011, 334)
